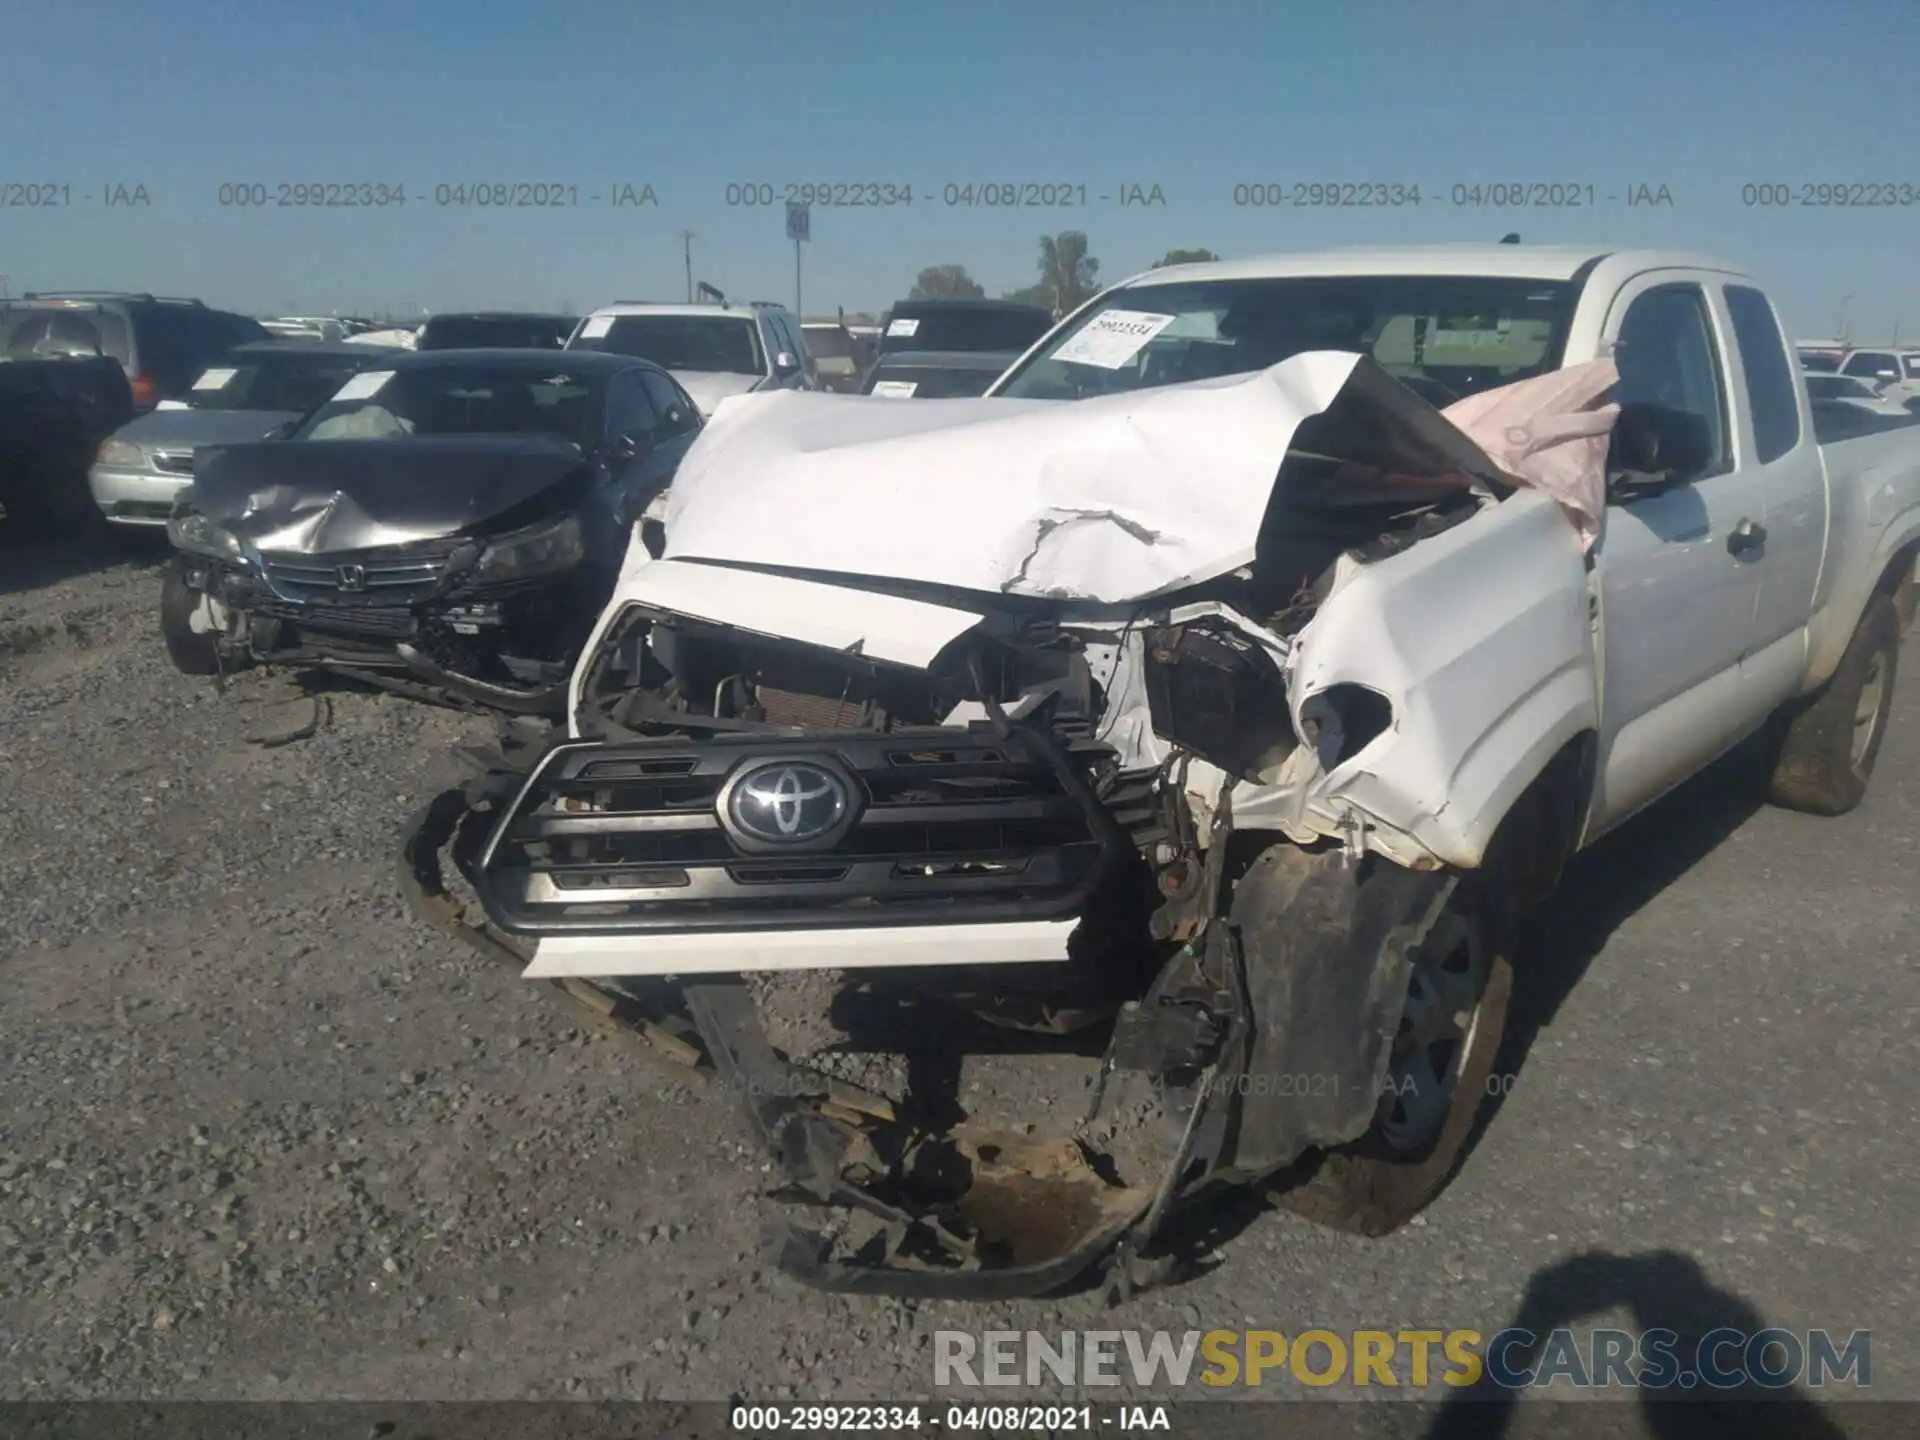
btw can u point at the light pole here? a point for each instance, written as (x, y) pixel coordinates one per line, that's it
(687, 237)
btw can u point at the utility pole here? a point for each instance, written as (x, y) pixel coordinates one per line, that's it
(687, 237)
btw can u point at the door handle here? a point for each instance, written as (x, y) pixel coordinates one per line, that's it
(1746, 537)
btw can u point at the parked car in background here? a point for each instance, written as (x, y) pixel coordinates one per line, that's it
(449, 524)
(1897, 371)
(946, 325)
(56, 405)
(713, 351)
(140, 470)
(1851, 390)
(161, 343)
(836, 355)
(305, 327)
(933, 375)
(1820, 357)
(486, 330)
(389, 337)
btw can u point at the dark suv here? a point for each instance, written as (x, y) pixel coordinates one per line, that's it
(162, 344)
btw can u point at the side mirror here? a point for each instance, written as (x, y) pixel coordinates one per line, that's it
(1655, 448)
(282, 431)
(630, 445)
(785, 363)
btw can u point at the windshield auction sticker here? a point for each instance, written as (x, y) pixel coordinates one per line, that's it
(1112, 338)
(596, 327)
(895, 389)
(364, 386)
(904, 327)
(214, 379)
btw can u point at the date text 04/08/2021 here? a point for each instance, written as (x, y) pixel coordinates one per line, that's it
(900, 1419)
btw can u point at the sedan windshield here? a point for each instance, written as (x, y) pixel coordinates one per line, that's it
(1443, 337)
(713, 344)
(461, 400)
(293, 381)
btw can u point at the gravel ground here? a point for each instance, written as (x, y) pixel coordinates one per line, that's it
(263, 1136)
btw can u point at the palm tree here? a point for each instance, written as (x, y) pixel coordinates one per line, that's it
(1066, 270)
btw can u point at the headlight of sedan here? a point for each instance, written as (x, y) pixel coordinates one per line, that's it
(123, 453)
(198, 535)
(540, 550)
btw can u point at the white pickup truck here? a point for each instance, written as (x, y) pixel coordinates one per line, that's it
(1231, 676)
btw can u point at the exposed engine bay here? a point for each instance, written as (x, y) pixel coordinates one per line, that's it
(1193, 824)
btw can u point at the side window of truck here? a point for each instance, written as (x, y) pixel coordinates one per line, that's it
(1763, 353)
(1668, 357)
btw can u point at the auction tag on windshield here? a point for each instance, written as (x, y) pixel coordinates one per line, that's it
(214, 379)
(596, 327)
(1112, 338)
(364, 386)
(904, 327)
(895, 389)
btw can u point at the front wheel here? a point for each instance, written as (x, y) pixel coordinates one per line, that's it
(192, 623)
(1827, 754)
(1440, 1076)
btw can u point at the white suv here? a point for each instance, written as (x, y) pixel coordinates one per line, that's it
(713, 350)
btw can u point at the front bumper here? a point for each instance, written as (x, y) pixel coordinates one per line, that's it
(966, 847)
(134, 497)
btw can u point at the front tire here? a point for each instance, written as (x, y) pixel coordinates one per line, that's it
(189, 624)
(1440, 1077)
(1827, 753)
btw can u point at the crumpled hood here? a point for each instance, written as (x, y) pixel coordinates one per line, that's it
(709, 387)
(319, 496)
(184, 429)
(1107, 500)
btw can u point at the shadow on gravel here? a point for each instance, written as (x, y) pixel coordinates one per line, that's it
(1661, 1290)
(1606, 886)
(32, 560)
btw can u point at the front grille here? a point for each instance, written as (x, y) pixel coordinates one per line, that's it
(388, 622)
(172, 462)
(951, 827)
(393, 575)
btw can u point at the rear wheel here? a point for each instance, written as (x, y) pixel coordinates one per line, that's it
(1440, 1075)
(191, 622)
(1830, 744)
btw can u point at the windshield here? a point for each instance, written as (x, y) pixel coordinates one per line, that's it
(514, 332)
(911, 327)
(53, 332)
(922, 382)
(1444, 337)
(714, 344)
(460, 400)
(259, 381)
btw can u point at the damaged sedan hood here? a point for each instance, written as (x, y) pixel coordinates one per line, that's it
(318, 496)
(1105, 500)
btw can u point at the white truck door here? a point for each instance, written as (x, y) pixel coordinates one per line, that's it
(1776, 443)
(1677, 604)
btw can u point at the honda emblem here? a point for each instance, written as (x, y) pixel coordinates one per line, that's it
(350, 577)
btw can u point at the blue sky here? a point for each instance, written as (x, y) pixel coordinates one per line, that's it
(1193, 97)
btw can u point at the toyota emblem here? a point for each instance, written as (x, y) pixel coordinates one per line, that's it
(787, 803)
(350, 577)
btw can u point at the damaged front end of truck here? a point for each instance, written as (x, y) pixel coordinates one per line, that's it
(1207, 771)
